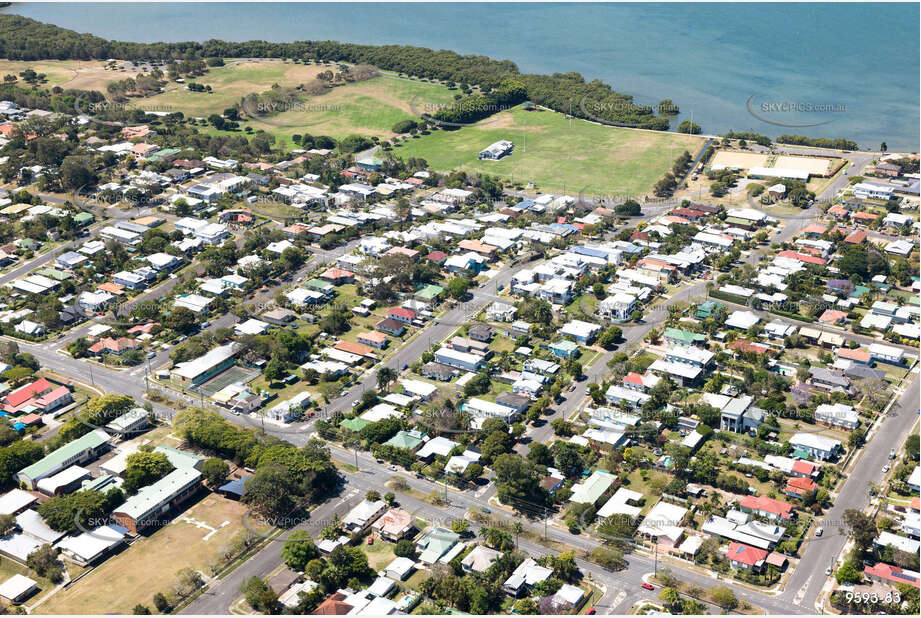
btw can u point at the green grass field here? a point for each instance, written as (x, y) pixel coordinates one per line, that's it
(370, 107)
(555, 155)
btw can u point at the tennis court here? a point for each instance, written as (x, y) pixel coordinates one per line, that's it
(232, 375)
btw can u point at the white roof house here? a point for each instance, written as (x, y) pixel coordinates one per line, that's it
(742, 320)
(436, 446)
(618, 504)
(663, 520)
(582, 331)
(363, 515)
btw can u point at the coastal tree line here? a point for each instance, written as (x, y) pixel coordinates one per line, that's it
(22, 38)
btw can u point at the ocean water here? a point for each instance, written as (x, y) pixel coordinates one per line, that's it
(819, 69)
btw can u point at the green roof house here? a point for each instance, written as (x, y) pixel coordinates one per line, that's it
(354, 424)
(564, 348)
(437, 545)
(707, 309)
(410, 440)
(83, 218)
(429, 293)
(591, 489)
(683, 337)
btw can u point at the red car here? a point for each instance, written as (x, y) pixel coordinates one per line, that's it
(646, 586)
(590, 612)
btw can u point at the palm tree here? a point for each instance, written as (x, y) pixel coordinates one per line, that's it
(385, 375)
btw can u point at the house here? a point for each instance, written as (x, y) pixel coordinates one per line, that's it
(886, 353)
(363, 515)
(373, 339)
(746, 557)
(816, 446)
(662, 524)
(620, 306)
(564, 349)
(767, 507)
(500, 312)
(829, 380)
(886, 573)
(402, 314)
(799, 486)
(525, 576)
(438, 545)
(593, 488)
(393, 525)
(399, 569)
(480, 332)
(391, 326)
(837, 415)
(855, 355)
(438, 371)
(110, 345)
(459, 360)
(479, 559)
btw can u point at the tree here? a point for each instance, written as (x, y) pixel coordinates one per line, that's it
(847, 574)
(181, 319)
(385, 375)
(457, 287)
(140, 610)
(724, 597)
(7, 524)
(44, 561)
(860, 527)
(687, 126)
(275, 370)
(404, 548)
(143, 468)
(161, 603)
(630, 208)
(215, 471)
(259, 595)
(610, 337)
(270, 491)
(670, 597)
(298, 550)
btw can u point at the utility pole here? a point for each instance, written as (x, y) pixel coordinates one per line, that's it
(92, 381)
(656, 559)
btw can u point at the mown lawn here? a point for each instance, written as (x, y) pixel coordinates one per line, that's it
(558, 155)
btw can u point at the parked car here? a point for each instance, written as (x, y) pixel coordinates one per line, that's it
(647, 586)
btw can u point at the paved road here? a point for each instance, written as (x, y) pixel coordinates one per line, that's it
(809, 577)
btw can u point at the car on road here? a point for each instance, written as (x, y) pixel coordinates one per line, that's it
(828, 571)
(590, 612)
(151, 355)
(392, 468)
(356, 402)
(647, 586)
(819, 531)
(886, 468)
(485, 509)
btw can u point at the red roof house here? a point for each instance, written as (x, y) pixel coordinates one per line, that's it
(802, 257)
(402, 314)
(743, 556)
(893, 574)
(799, 486)
(833, 316)
(767, 507)
(24, 393)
